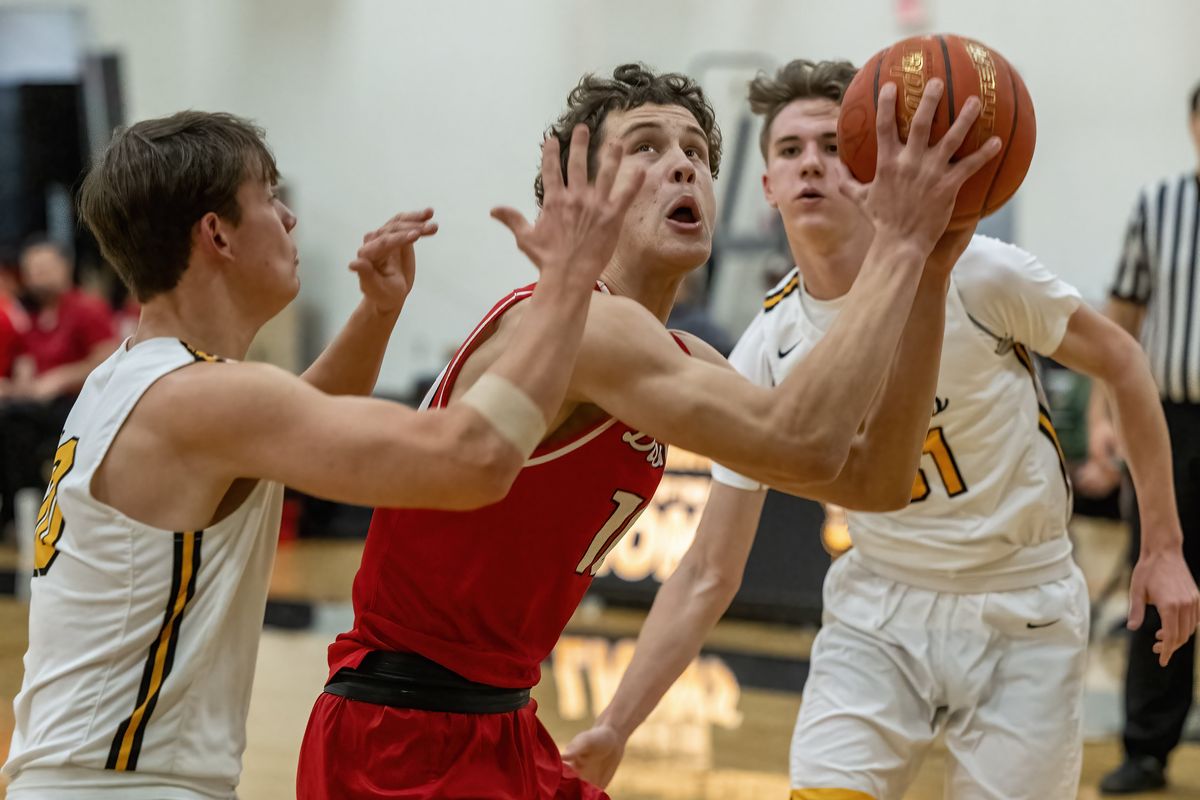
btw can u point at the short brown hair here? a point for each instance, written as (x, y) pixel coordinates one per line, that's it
(157, 178)
(797, 80)
(630, 86)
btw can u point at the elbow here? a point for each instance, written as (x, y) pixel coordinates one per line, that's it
(486, 465)
(491, 477)
(800, 456)
(819, 460)
(886, 498)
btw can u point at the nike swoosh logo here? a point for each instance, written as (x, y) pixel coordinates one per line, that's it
(783, 353)
(1041, 624)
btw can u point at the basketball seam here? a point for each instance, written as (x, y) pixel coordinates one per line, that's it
(1007, 145)
(949, 79)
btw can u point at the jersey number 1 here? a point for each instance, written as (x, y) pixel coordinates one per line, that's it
(943, 458)
(628, 507)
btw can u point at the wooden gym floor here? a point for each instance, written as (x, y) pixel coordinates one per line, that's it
(724, 732)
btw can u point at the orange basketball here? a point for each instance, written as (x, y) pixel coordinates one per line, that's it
(968, 68)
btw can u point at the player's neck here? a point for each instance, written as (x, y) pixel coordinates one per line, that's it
(213, 328)
(828, 264)
(653, 288)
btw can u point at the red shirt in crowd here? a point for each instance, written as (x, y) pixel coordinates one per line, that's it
(67, 333)
(10, 335)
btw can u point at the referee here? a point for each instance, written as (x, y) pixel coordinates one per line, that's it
(1157, 294)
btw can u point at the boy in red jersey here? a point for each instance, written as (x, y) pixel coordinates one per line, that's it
(429, 693)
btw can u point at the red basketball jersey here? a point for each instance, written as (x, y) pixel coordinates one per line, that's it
(487, 593)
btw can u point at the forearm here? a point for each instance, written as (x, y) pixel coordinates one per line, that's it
(350, 364)
(1143, 431)
(885, 456)
(541, 355)
(851, 361)
(686, 608)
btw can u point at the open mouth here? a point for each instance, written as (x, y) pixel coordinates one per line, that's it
(810, 194)
(685, 213)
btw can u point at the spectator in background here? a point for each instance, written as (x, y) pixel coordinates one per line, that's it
(13, 319)
(68, 334)
(1156, 295)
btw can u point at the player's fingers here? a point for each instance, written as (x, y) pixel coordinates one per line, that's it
(1137, 608)
(922, 119)
(885, 122)
(411, 216)
(427, 228)
(849, 185)
(513, 220)
(552, 178)
(968, 166)
(577, 157)
(629, 188)
(379, 247)
(958, 132)
(1170, 633)
(610, 163)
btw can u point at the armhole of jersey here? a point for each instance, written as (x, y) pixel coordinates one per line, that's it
(445, 384)
(117, 424)
(679, 341)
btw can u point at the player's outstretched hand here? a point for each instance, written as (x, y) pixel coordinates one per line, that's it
(916, 182)
(595, 754)
(576, 233)
(386, 264)
(1164, 581)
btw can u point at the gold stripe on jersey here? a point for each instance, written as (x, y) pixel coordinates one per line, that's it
(127, 743)
(774, 298)
(50, 523)
(1045, 423)
(200, 355)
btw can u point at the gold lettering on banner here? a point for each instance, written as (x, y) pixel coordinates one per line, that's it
(985, 65)
(911, 73)
(588, 670)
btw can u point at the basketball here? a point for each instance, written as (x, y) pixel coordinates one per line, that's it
(968, 67)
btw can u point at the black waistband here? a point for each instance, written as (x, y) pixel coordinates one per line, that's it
(407, 680)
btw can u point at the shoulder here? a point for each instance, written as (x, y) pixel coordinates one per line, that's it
(204, 397)
(990, 264)
(615, 319)
(698, 348)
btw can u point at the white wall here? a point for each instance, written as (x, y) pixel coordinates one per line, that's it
(374, 106)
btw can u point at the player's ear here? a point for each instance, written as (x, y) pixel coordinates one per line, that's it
(209, 236)
(767, 192)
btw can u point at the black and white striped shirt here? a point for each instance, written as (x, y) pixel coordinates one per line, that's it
(1158, 270)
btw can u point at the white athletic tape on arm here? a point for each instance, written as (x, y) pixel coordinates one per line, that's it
(508, 409)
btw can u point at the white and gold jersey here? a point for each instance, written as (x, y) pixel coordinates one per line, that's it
(991, 501)
(142, 642)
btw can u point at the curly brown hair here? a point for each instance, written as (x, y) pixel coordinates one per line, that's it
(797, 80)
(630, 86)
(156, 179)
